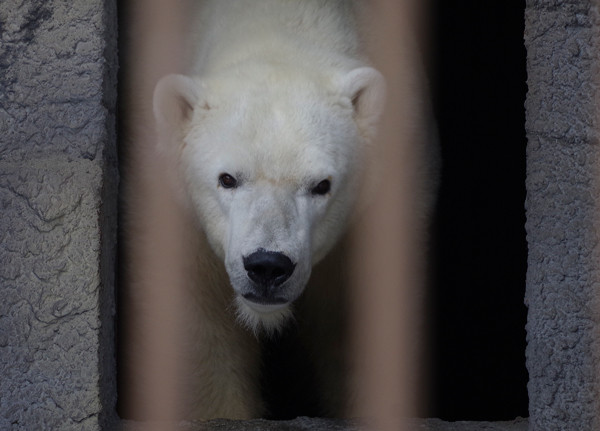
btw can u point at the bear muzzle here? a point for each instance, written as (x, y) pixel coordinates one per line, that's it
(268, 271)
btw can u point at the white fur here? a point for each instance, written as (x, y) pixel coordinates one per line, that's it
(262, 318)
(279, 96)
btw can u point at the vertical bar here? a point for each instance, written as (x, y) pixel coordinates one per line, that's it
(387, 247)
(155, 227)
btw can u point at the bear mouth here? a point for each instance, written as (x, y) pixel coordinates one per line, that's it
(263, 304)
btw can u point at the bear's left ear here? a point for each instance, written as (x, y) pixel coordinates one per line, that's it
(365, 87)
(175, 97)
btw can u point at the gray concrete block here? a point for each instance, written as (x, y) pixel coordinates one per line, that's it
(58, 194)
(56, 66)
(561, 40)
(562, 43)
(54, 298)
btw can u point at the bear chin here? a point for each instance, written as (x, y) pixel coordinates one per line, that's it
(263, 319)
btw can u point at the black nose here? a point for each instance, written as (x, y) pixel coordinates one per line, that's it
(268, 268)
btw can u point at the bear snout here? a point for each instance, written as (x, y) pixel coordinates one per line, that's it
(268, 270)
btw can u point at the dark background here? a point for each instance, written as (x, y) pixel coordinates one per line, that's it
(478, 77)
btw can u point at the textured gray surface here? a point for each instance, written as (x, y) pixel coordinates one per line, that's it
(58, 183)
(53, 81)
(306, 424)
(562, 43)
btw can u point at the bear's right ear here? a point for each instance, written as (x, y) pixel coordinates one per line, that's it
(175, 97)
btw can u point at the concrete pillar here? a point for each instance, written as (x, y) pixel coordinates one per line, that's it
(58, 194)
(563, 289)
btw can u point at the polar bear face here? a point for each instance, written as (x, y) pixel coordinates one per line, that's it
(271, 166)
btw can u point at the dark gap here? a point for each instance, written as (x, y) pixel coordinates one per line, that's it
(480, 250)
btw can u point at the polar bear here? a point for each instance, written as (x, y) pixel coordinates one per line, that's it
(269, 126)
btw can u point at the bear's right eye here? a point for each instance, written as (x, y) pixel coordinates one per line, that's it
(227, 181)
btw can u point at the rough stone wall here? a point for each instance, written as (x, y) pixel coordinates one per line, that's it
(58, 179)
(562, 41)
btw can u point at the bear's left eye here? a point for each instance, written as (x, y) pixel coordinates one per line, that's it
(322, 188)
(227, 181)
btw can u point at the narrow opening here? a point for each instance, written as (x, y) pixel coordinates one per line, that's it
(480, 251)
(479, 248)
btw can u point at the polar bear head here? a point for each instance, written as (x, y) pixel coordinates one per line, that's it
(271, 161)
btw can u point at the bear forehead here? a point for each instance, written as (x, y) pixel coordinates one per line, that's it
(277, 162)
(283, 143)
(276, 91)
(282, 125)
